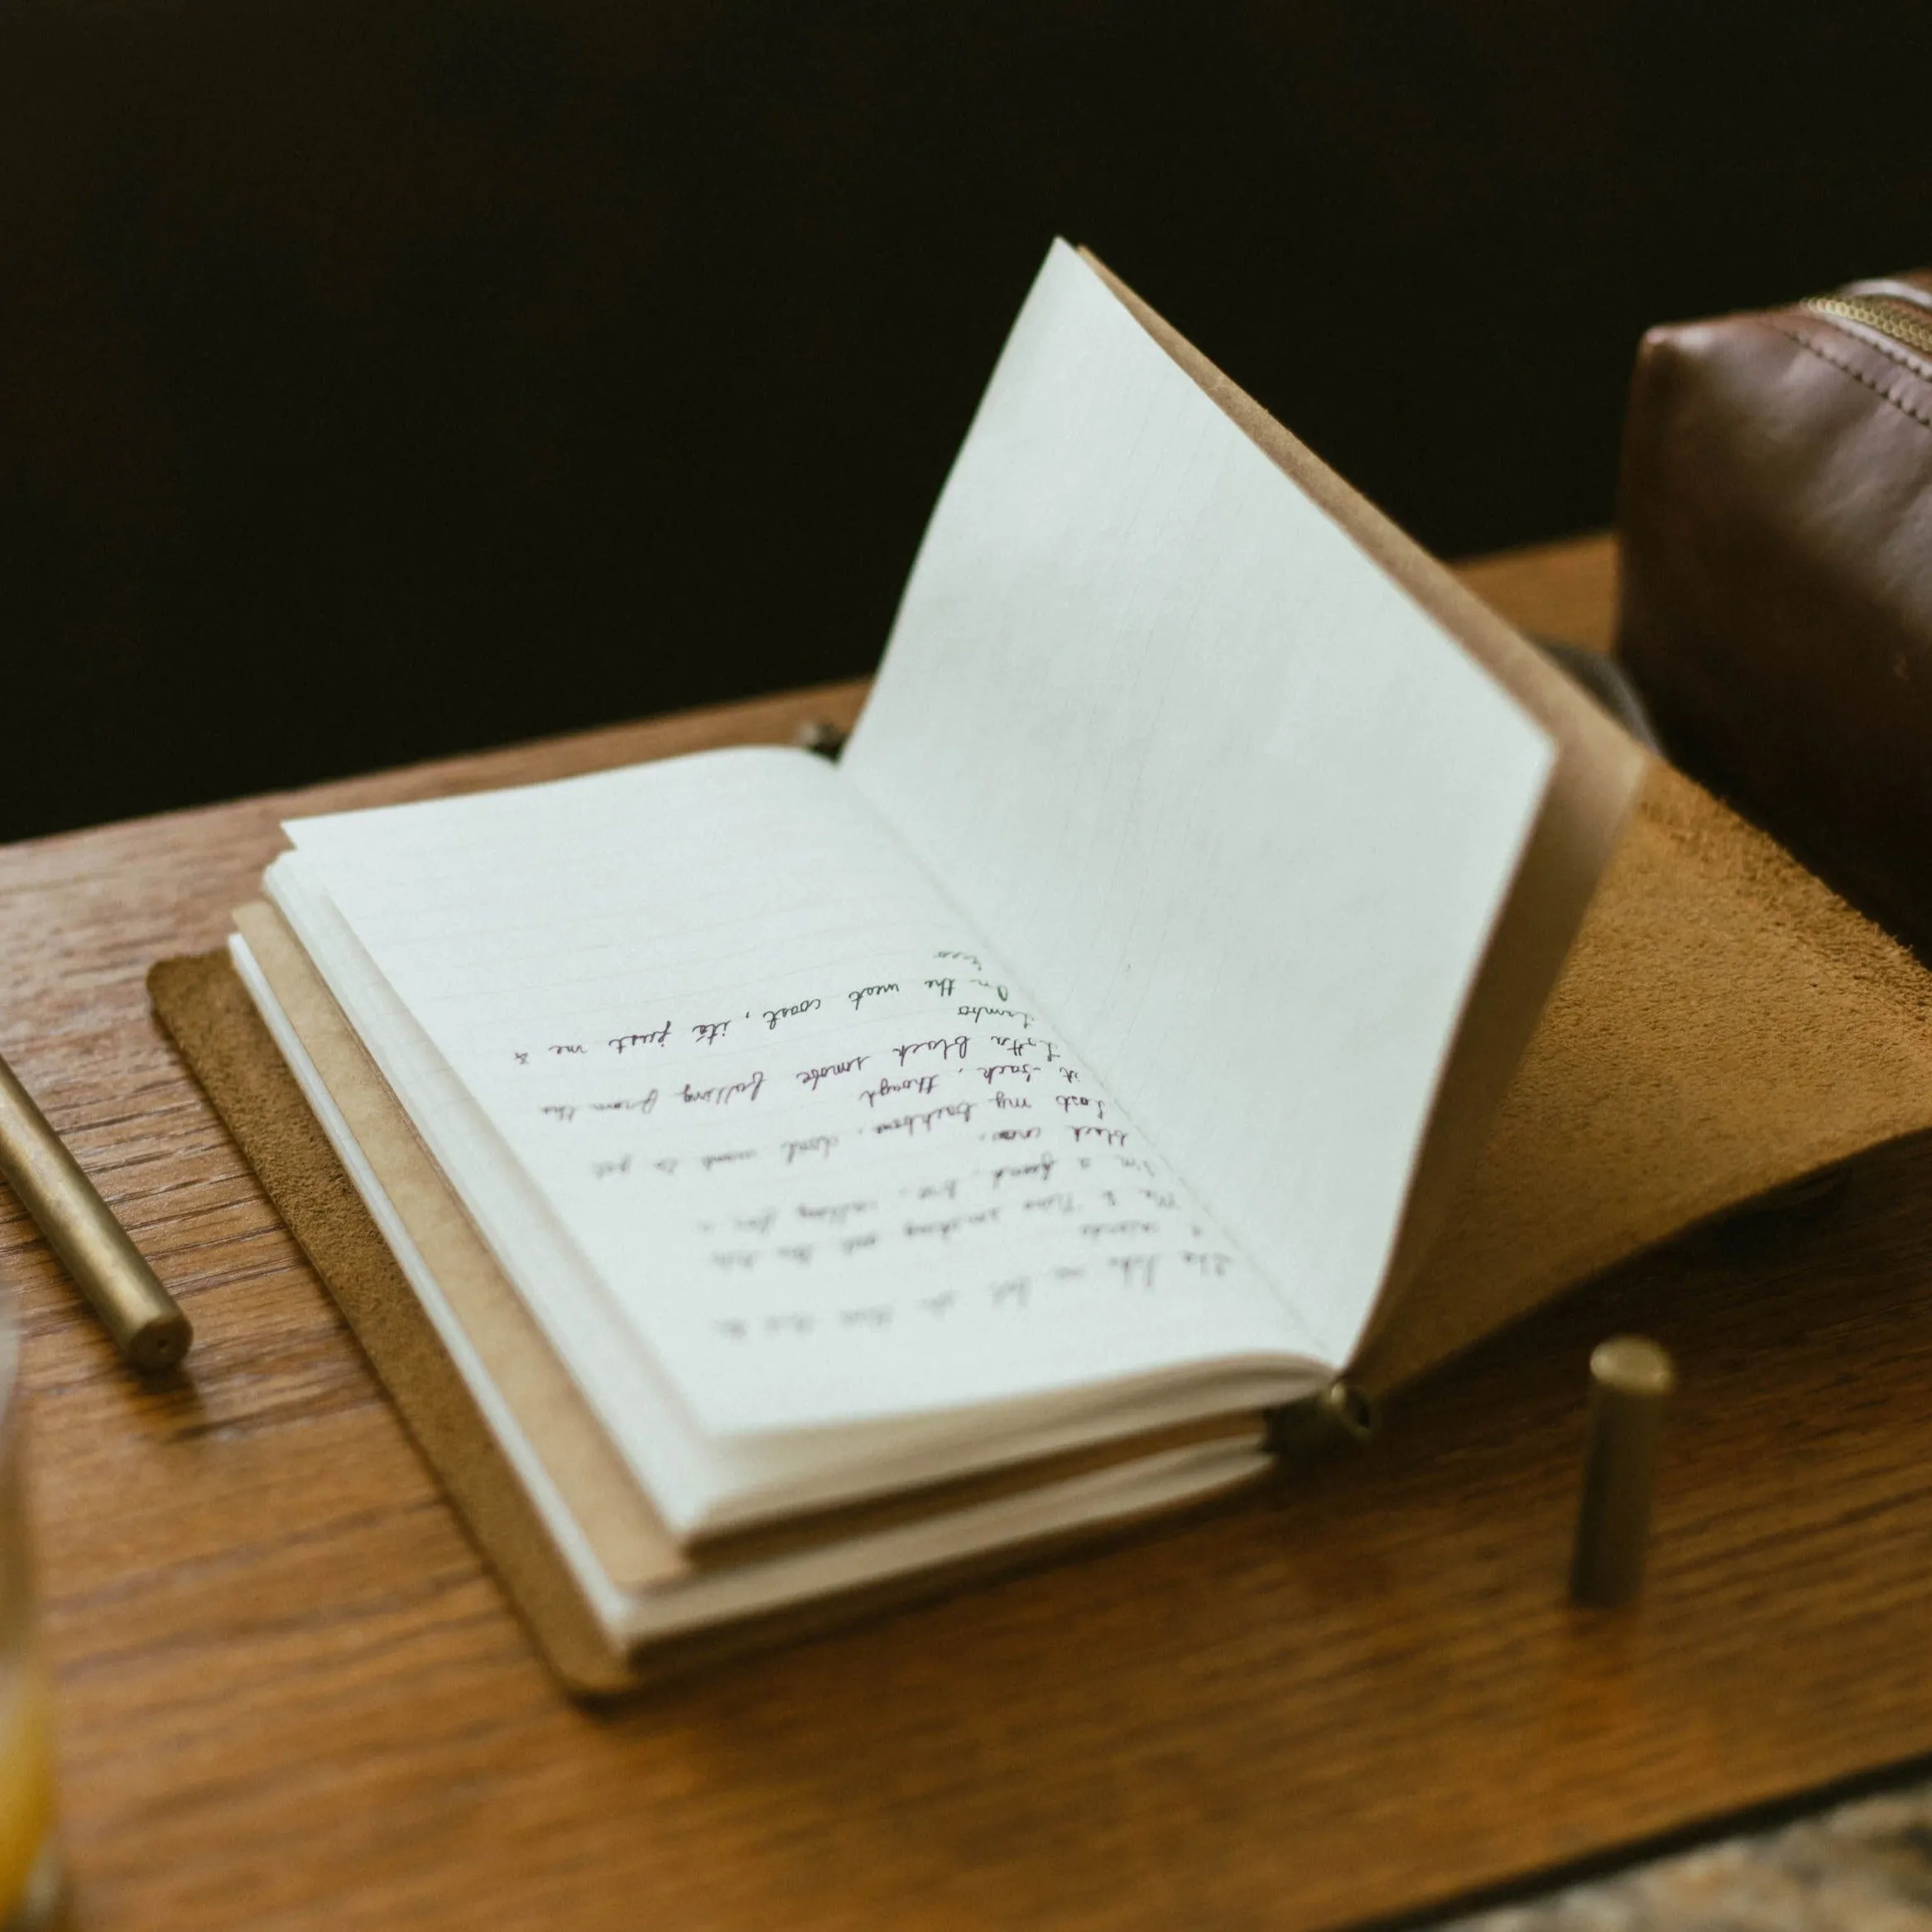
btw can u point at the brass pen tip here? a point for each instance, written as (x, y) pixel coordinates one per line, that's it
(1632, 1365)
(159, 1344)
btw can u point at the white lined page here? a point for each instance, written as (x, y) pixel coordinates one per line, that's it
(818, 1147)
(1241, 813)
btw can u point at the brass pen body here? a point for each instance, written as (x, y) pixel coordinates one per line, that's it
(1631, 1380)
(147, 1327)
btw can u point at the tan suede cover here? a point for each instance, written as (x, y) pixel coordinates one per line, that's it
(207, 1013)
(1723, 1027)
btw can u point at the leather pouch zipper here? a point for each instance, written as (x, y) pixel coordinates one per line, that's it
(1898, 318)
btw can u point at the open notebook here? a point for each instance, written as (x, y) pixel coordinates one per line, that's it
(901, 1159)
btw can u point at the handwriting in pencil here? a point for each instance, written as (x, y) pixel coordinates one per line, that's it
(1137, 1272)
(723, 1093)
(953, 1047)
(1041, 1171)
(838, 1212)
(804, 1208)
(797, 1010)
(628, 1042)
(1017, 1046)
(811, 1076)
(924, 1124)
(917, 1083)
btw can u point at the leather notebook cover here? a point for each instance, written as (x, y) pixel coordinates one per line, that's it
(209, 1014)
(1724, 1027)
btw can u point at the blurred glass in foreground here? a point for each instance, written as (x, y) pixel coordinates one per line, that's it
(29, 1860)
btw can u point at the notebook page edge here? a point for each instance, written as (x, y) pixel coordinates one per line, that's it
(607, 1600)
(446, 1258)
(851, 1467)
(685, 1597)
(672, 1463)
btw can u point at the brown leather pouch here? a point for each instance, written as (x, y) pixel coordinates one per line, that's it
(1776, 523)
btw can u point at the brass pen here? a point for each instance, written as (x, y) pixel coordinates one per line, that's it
(147, 1327)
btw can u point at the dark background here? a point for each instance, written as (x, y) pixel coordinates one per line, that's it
(380, 378)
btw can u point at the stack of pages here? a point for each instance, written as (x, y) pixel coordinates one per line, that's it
(880, 1164)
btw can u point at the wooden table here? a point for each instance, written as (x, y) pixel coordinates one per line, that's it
(290, 1692)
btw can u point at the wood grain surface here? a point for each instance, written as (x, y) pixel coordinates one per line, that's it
(289, 1693)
